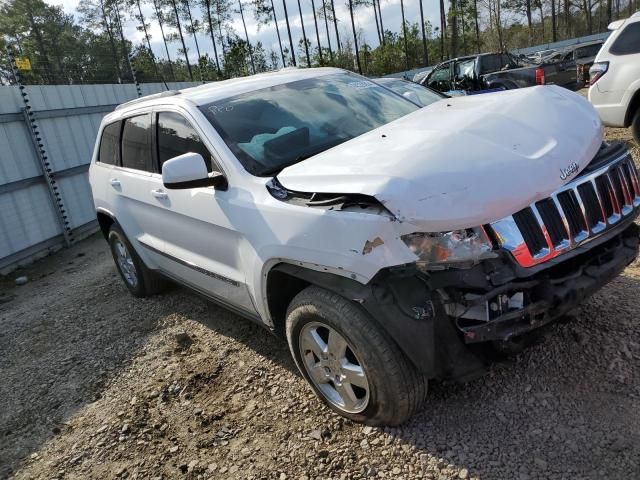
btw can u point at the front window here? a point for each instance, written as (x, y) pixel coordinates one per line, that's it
(272, 128)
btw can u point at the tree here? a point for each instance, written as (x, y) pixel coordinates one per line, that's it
(192, 28)
(323, 13)
(143, 27)
(335, 23)
(424, 37)
(453, 22)
(265, 13)
(174, 21)
(99, 16)
(160, 17)
(355, 36)
(286, 18)
(377, 2)
(443, 29)
(207, 7)
(304, 36)
(315, 21)
(236, 57)
(246, 34)
(404, 35)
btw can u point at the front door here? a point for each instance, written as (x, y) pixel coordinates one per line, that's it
(201, 246)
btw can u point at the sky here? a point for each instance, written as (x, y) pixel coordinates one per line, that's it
(391, 15)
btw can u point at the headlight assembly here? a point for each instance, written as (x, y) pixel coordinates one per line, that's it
(461, 248)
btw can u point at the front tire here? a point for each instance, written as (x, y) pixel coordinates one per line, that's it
(350, 362)
(138, 279)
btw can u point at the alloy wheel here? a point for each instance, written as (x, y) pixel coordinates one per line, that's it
(333, 367)
(125, 263)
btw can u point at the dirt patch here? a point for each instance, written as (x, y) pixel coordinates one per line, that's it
(97, 384)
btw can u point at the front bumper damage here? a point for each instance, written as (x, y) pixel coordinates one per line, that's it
(424, 312)
(499, 301)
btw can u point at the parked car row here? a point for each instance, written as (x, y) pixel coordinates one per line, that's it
(504, 71)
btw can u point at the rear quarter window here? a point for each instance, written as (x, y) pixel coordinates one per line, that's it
(628, 42)
(110, 144)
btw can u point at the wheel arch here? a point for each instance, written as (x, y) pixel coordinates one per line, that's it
(105, 220)
(399, 301)
(633, 107)
(285, 281)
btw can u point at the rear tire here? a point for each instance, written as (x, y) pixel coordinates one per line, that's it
(635, 126)
(350, 362)
(138, 279)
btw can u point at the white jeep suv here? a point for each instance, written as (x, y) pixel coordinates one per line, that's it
(615, 77)
(389, 243)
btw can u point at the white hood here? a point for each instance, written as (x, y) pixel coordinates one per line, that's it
(462, 162)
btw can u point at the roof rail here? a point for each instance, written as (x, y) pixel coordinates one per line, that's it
(168, 93)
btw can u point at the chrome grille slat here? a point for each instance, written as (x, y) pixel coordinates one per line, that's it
(627, 190)
(575, 213)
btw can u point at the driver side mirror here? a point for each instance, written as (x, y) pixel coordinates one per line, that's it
(190, 171)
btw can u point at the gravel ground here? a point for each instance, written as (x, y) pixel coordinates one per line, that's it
(97, 384)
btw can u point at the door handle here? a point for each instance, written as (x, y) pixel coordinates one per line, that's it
(114, 182)
(159, 193)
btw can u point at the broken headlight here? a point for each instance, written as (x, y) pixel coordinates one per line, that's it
(458, 248)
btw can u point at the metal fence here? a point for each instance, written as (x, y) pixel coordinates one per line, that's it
(47, 135)
(562, 44)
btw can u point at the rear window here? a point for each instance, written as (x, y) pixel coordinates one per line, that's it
(586, 52)
(628, 41)
(490, 63)
(136, 143)
(110, 144)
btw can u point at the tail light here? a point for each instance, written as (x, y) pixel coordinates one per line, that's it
(540, 76)
(597, 70)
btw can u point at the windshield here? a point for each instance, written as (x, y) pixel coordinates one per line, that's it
(426, 96)
(275, 127)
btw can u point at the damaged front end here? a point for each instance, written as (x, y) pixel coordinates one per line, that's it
(444, 320)
(492, 284)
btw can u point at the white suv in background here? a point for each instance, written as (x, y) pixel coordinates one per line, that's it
(615, 77)
(388, 243)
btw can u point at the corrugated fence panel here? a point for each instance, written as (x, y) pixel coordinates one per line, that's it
(10, 101)
(27, 219)
(17, 157)
(68, 130)
(78, 199)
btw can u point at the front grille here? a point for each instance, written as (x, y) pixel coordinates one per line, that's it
(570, 205)
(580, 210)
(592, 205)
(530, 229)
(553, 221)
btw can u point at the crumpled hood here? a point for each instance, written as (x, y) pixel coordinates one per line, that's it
(462, 162)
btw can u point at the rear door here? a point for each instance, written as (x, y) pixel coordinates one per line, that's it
(201, 246)
(131, 189)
